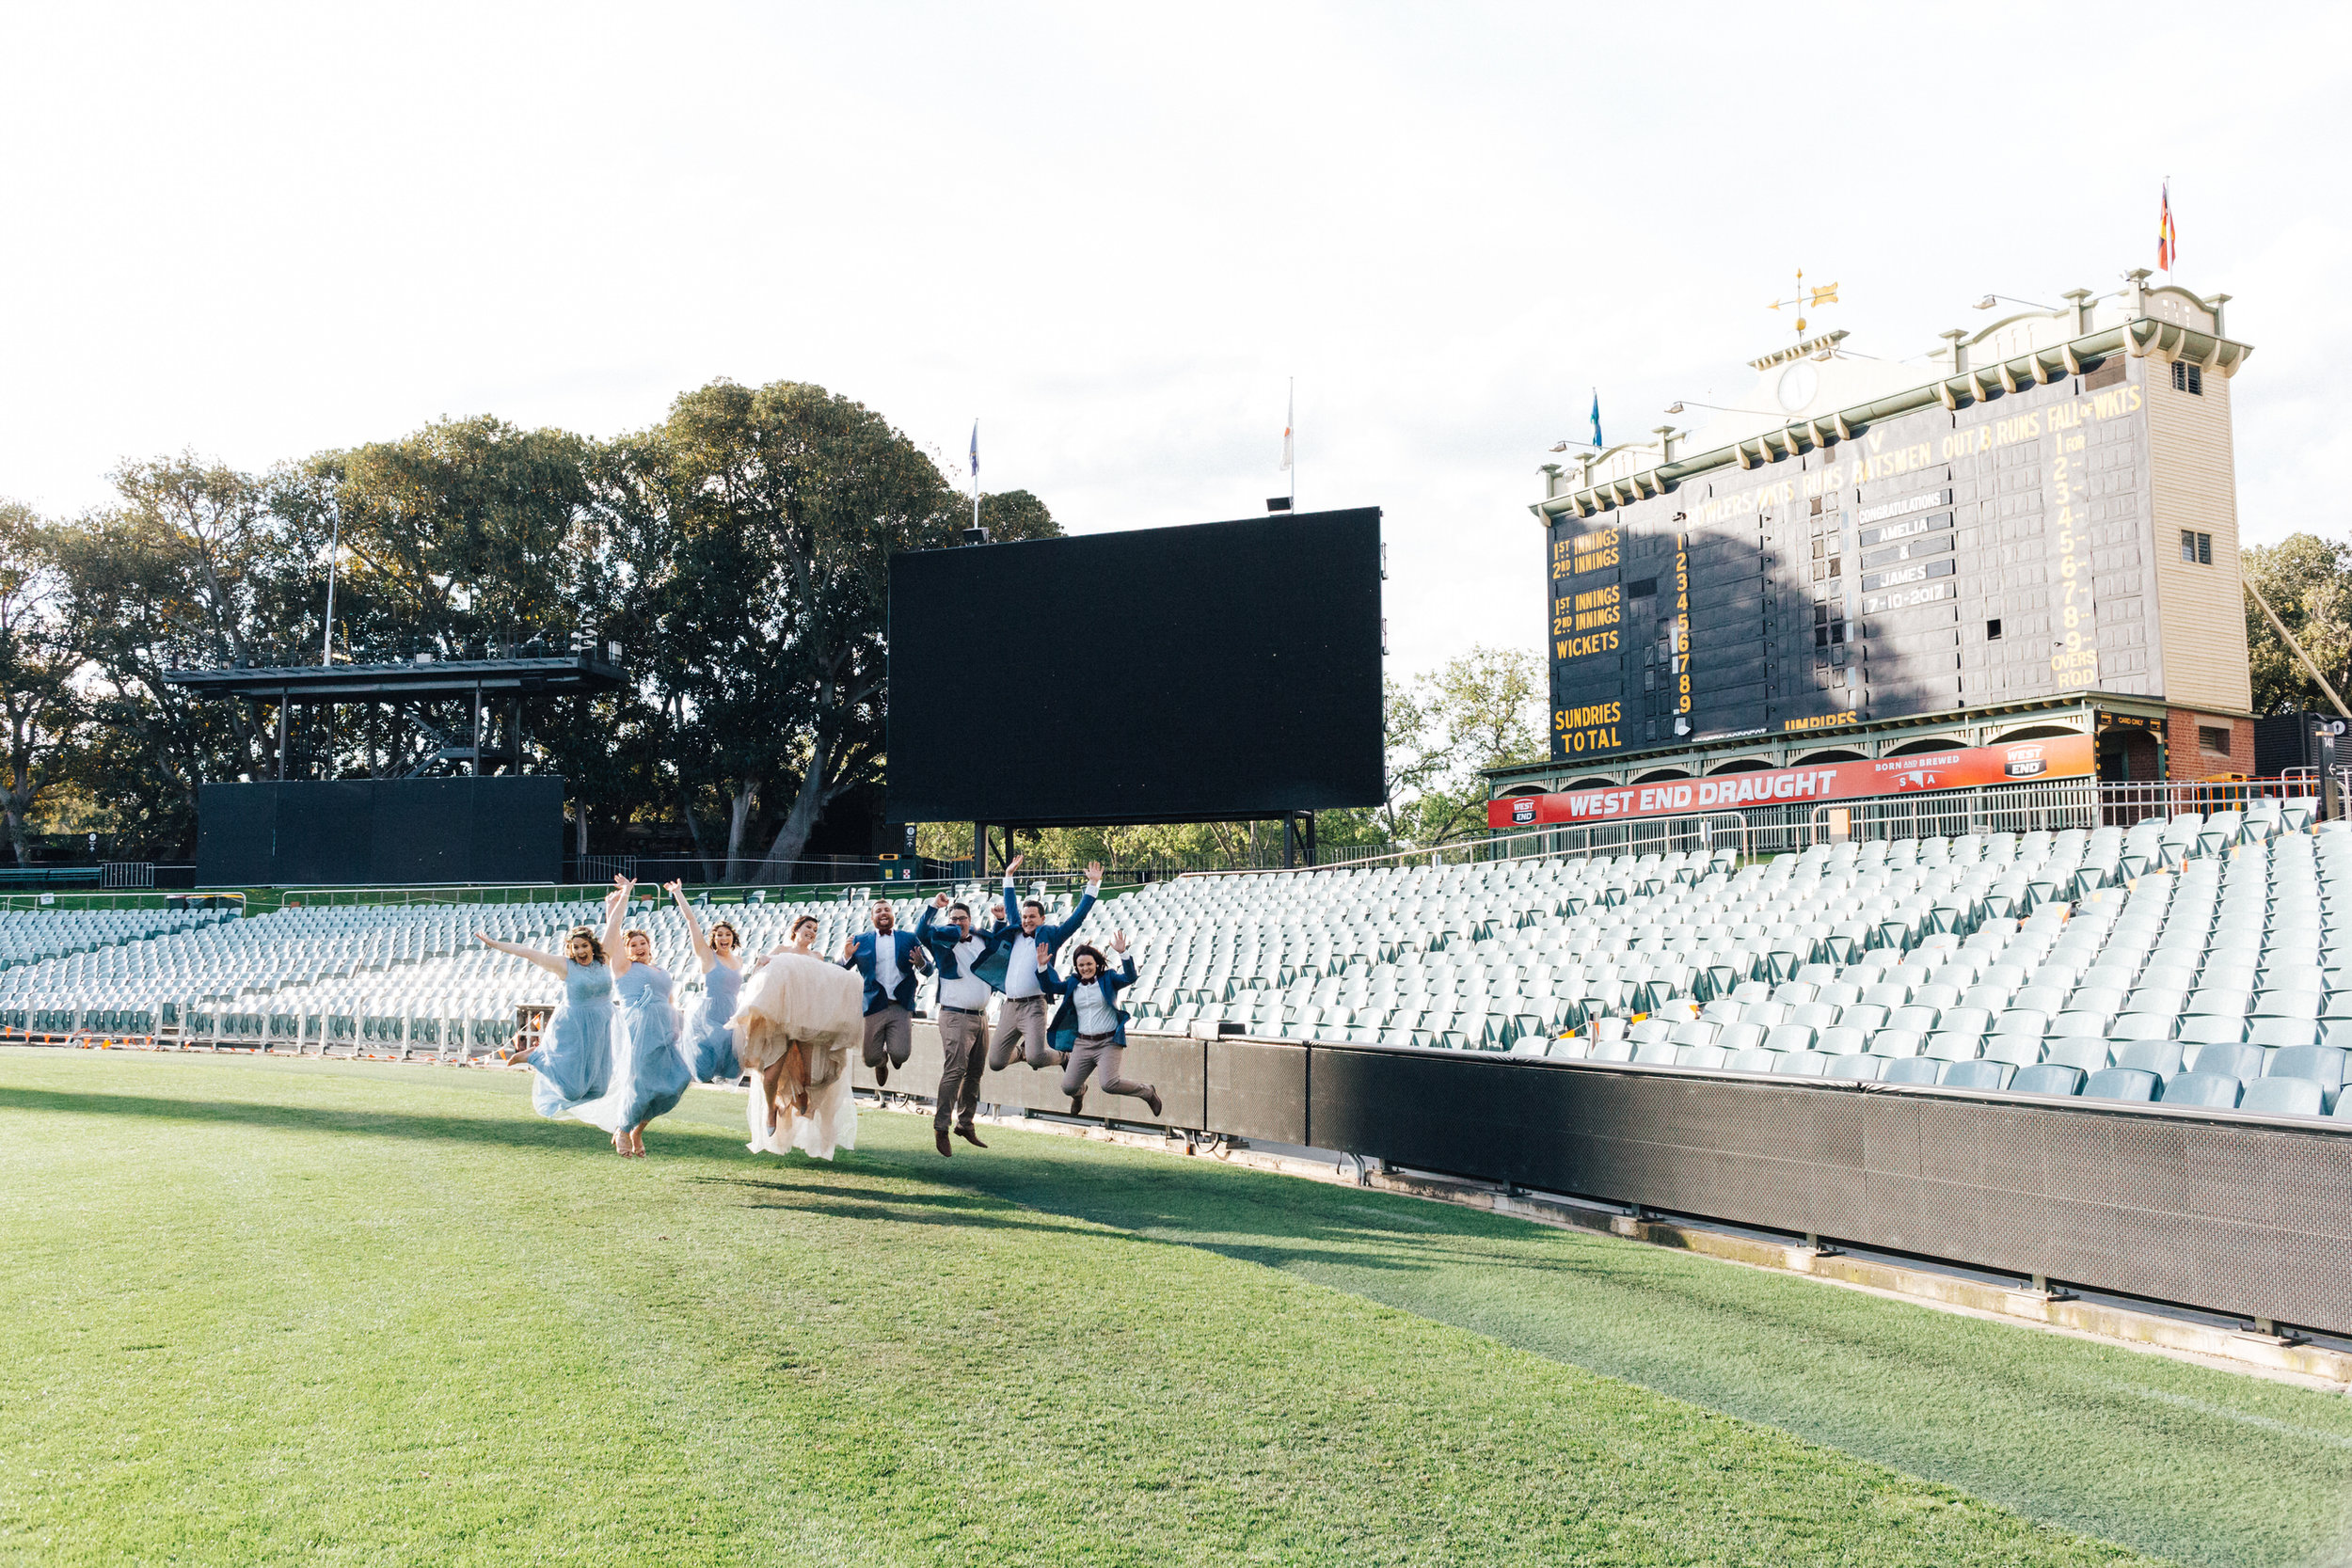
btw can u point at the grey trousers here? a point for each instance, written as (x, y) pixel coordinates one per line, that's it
(891, 1030)
(1020, 1018)
(1105, 1050)
(964, 1041)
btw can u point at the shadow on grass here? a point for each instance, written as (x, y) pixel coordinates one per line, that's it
(1050, 1181)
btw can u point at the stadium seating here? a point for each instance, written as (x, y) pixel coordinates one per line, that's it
(385, 980)
(2193, 962)
(2104, 964)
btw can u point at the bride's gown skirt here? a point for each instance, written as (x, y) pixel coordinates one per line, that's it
(803, 1017)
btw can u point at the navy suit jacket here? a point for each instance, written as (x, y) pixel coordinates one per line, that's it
(1050, 938)
(862, 960)
(1062, 1033)
(943, 939)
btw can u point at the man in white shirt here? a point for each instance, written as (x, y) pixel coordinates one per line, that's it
(1022, 1019)
(885, 958)
(959, 951)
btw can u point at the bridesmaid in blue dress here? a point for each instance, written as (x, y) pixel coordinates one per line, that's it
(572, 1064)
(649, 1075)
(710, 1043)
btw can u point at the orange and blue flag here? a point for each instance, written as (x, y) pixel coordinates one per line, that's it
(2167, 238)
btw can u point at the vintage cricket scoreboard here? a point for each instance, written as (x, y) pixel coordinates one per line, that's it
(1849, 570)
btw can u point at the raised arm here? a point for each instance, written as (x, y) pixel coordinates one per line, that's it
(1126, 976)
(693, 927)
(615, 915)
(1047, 981)
(1086, 901)
(1012, 908)
(547, 962)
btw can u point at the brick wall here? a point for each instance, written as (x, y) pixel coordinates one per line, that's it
(2185, 754)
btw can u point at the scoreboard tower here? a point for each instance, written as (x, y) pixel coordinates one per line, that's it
(2039, 530)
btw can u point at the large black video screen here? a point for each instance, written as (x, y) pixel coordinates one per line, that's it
(380, 831)
(1201, 674)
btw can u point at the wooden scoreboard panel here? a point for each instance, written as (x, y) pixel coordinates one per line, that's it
(1934, 561)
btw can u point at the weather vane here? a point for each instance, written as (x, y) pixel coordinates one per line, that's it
(1807, 299)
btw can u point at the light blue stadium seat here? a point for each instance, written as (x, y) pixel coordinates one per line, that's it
(2086, 1051)
(1861, 1065)
(2144, 1026)
(1977, 1074)
(2161, 1057)
(2120, 1083)
(1804, 1064)
(2321, 1064)
(1753, 1059)
(1944, 1047)
(1896, 1043)
(2210, 1090)
(1909, 1069)
(1788, 1036)
(2047, 1078)
(2282, 1031)
(2283, 1097)
(1656, 1052)
(1709, 1057)
(2020, 1051)
(2232, 1057)
(1740, 1037)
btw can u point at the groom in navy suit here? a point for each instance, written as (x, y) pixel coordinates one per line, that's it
(886, 957)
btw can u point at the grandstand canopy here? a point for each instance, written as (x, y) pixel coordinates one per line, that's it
(422, 680)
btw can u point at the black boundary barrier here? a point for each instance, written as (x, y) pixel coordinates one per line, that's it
(2246, 1215)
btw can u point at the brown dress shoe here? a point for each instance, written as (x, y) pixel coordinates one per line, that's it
(939, 1137)
(969, 1136)
(1151, 1098)
(1078, 1104)
(882, 1072)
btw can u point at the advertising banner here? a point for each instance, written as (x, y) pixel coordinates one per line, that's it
(2014, 762)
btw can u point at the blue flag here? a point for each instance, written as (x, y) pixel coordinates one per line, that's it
(1596, 419)
(975, 443)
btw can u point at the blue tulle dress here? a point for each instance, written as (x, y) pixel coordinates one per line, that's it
(710, 1043)
(648, 1067)
(574, 1062)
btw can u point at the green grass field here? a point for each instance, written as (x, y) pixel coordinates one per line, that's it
(267, 1311)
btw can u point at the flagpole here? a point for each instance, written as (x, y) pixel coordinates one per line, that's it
(976, 472)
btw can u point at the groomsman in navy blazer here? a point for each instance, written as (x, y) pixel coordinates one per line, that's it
(885, 958)
(1020, 1017)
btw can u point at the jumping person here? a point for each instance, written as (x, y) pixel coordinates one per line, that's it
(971, 965)
(1089, 1024)
(572, 1062)
(1032, 944)
(710, 1043)
(884, 958)
(649, 1074)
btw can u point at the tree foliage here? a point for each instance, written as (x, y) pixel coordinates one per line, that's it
(738, 550)
(2308, 581)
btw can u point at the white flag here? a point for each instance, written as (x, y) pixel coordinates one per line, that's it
(1288, 410)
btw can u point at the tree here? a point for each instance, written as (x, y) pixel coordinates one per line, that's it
(782, 505)
(1480, 709)
(2308, 581)
(39, 705)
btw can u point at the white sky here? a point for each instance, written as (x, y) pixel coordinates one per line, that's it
(255, 232)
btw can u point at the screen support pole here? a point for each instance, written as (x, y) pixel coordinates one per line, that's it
(980, 852)
(1290, 841)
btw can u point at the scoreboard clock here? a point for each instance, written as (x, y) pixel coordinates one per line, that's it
(1945, 558)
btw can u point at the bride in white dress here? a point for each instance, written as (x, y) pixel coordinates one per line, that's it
(796, 1024)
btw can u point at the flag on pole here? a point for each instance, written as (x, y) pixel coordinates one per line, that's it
(1596, 419)
(2167, 238)
(976, 448)
(1289, 409)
